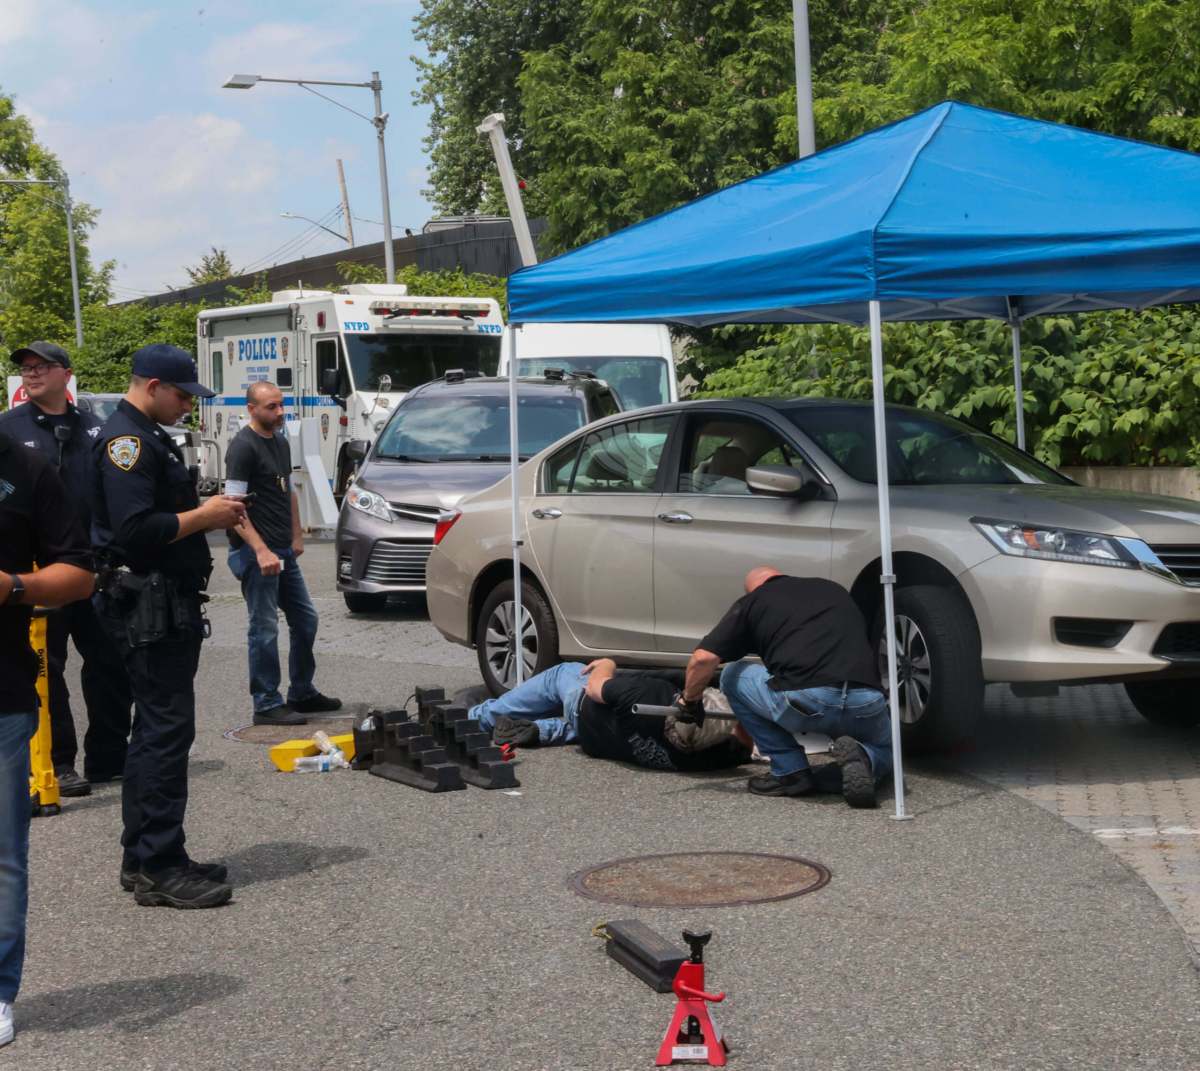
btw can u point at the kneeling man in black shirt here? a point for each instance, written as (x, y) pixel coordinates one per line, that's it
(817, 675)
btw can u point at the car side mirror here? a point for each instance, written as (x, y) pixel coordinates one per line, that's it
(356, 451)
(329, 382)
(783, 481)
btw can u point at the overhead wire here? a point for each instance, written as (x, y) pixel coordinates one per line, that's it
(292, 243)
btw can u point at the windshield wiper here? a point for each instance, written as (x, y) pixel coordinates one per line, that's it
(408, 457)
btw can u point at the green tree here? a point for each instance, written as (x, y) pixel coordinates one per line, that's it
(475, 56)
(455, 283)
(214, 266)
(35, 274)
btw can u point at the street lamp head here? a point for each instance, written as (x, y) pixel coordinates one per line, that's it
(242, 81)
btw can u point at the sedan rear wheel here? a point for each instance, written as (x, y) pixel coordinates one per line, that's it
(498, 640)
(938, 670)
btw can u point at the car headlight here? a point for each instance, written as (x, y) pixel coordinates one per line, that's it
(1057, 544)
(369, 502)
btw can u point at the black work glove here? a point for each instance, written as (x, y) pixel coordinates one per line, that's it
(690, 712)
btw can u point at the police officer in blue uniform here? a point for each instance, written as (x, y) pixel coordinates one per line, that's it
(49, 423)
(149, 529)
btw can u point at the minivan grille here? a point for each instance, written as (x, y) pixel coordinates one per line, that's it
(395, 561)
(1179, 642)
(416, 513)
(1183, 559)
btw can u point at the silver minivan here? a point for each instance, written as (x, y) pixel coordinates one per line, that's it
(444, 441)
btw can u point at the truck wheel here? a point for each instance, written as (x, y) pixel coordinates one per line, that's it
(939, 669)
(494, 630)
(358, 602)
(1171, 704)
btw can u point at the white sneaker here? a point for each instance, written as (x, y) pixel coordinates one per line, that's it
(6, 1023)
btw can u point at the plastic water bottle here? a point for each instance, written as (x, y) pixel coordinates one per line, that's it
(317, 763)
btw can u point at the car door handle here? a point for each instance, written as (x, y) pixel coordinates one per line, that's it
(550, 514)
(676, 517)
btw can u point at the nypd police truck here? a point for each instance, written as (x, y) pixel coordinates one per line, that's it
(345, 359)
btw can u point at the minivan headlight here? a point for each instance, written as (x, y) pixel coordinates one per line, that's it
(369, 502)
(1056, 544)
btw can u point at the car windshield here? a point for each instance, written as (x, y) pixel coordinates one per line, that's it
(638, 381)
(450, 426)
(923, 448)
(413, 359)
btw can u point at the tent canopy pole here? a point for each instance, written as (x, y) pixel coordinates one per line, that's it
(517, 630)
(1014, 319)
(887, 577)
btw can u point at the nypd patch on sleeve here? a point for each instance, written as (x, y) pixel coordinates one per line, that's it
(125, 451)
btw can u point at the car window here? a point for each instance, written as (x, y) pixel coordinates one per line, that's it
(923, 448)
(622, 458)
(720, 448)
(559, 469)
(454, 426)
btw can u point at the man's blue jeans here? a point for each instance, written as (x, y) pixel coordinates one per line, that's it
(16, 730)
(265, 596)
(559, 690)
(772, 717)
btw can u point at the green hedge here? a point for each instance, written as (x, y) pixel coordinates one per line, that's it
(1114, 388)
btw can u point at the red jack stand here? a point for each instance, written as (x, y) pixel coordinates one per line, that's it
(693, 1036)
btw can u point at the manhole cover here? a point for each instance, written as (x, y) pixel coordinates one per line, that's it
(700, 879)
(277, 734)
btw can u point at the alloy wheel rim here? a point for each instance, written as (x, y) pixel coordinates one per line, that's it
(914, 669)
(498, 643)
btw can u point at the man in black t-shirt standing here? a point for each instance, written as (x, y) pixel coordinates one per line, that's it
(264, 555)
(817, 674)
(38, 526)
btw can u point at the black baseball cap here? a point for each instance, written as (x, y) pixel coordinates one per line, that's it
(47, 351)
(171, 365)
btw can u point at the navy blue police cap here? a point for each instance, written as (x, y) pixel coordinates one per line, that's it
(172, 365)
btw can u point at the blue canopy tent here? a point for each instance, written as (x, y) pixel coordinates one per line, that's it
(956, 212)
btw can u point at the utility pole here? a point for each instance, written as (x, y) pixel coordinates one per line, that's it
(804, 101)
(345, 205)
(493, 126)
(65, 184)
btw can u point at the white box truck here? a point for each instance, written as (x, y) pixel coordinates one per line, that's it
(344, 358)
(634, 359)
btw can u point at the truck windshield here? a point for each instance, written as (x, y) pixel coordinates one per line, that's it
(923, 448)
(453, 426)
(638, 381)
(413, 359)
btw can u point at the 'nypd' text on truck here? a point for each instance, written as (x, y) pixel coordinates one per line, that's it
(344, 359)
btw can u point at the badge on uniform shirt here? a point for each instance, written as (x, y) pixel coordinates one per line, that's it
(125, 451)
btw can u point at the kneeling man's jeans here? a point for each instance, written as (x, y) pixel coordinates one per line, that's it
(771, 718)
(16, 730)
(557, 691)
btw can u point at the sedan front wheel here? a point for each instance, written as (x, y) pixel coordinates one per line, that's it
(939, 674)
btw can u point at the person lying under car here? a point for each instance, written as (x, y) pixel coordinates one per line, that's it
(592, 705)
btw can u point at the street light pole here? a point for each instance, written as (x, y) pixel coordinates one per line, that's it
(804, 100)
(378, 121)
(65, 183)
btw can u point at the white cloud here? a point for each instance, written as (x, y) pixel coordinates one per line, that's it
(19, 20)
(285, 50)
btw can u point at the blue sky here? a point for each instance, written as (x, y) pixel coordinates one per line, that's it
(128, 95)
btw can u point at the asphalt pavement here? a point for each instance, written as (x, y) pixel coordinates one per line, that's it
(376, 926)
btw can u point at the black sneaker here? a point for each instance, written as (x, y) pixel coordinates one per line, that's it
(316, 704)
(104, 777)
(515, 731)
(858, 782)
(211, 871)
(70, 783)
(280, 715)
(180, 887)
(799, 783)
